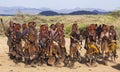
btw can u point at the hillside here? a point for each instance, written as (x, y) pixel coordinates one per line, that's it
(82, 12)
(33, 11)
(49, 13)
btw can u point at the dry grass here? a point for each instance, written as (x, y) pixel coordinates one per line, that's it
(68, 20)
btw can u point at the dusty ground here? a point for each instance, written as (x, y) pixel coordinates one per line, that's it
(7, 65)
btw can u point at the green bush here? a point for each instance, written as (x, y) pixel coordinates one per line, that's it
(68, 30)
(115, 14)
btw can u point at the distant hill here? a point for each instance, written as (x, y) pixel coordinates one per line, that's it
(24, 10)
(83, 13)
(46, 11)
(100, 12)
(6, 15)
(52, 13)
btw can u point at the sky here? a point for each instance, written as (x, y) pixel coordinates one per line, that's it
(63, 4)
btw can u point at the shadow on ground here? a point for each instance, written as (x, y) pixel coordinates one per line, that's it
(116, 66)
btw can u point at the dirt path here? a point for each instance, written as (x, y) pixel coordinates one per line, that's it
(7, 65)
